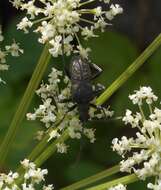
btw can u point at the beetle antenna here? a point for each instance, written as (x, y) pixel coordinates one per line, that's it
(79, 154)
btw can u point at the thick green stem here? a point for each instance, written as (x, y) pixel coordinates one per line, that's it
(39, 148)
(50, 149)
(42, 157)
(24, 104)
(123, 180)
(93, 179)
(129, 71)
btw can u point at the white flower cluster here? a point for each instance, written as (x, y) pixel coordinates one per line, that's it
(56, 113)
(144, 93)
(31, 179)
(60, 21)
(156, 186)
(118, 187)
(13, 49)
(145, 147)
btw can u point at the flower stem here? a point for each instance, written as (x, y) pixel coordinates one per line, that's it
(86, 2)
(51, 149)
(39, 148)
(24, 104)
(92, 179)
(129, 71)
(123, 180)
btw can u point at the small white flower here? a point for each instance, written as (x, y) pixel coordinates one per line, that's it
(61, 147)
(88, 33)
(17, 3)
(39, 135)
(90, 133)
(82, 51)
(47, 30)
(31, 116)
(145, 93)
(123, 145)
(156, 186)
(132, 119)
(25, 163)
(14, 49)
(98, 11)
(24, 24)
(2, 57)
(56, 46)
(27, 187)
(49, 187)
(31, 9)
(116, 9)
(53, 134)
(118, 187)
(37, 175)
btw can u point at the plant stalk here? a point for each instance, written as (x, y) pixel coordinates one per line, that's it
(129, 71)
(92, 179)
(39, 148)
(123, 180)
(50, 149)
(24, 104)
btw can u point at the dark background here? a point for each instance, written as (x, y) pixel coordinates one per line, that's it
(114, 51)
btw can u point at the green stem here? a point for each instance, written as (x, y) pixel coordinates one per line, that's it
(51, 149)
(129, 71)
(92, 179)
(24, 104)
(39, 148)
(43, 143)
(123, 180)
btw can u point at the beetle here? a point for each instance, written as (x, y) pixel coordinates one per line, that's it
(81, 73)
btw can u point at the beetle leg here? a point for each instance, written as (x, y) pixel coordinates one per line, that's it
(72, 108)
(99, 108)
(66, 100)
(98, 89)
(96, 70)
(66, 71)
(65, 68)
(69, 100)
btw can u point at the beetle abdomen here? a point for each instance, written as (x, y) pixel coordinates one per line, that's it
(82, 92)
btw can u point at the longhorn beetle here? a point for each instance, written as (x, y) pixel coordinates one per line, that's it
(81, 73)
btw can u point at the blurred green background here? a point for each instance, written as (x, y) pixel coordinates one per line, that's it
(114, 50)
